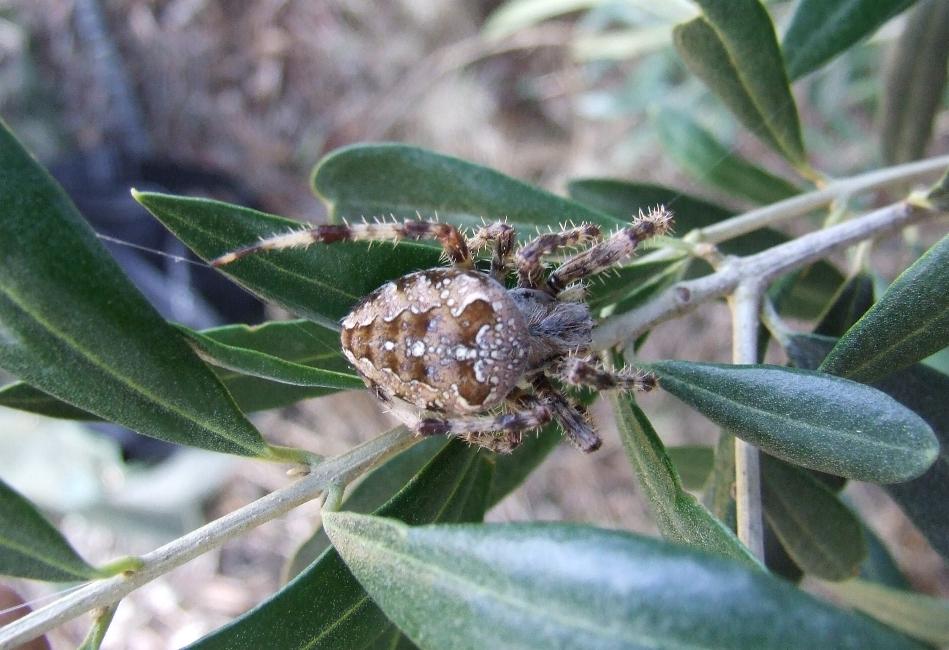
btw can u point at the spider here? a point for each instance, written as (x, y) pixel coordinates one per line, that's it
(453, 351)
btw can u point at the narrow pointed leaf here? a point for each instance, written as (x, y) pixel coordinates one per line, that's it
(880, 567)
(915, 81)
(925, 499)
(707, 160)
(680, 517)
(299, 342)
(320, 283)
(853, 300)
(820, 533)
(569, 586)
(511, 470)
(718, 492)
(923, 617)
(371, 493)
(391, 179)
(73, 325)
(23, 397)
(266, 366)
(693, 463)
(324, 606)
(820, 30)
(808, 418)
(923, 390)
(30, 547)
(296, 341)
(734, 50)
(908, 323)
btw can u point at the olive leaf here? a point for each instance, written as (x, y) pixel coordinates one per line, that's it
(72, 325)
(379, 180)
(733, 49)
(915, 80)
(681, 518)
(907, 324)
(569, 586)
(30, 547)
(821, 30)
(808, 418)
(820, 533)
(707, 160)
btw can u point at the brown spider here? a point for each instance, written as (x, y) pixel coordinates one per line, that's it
(446, 348)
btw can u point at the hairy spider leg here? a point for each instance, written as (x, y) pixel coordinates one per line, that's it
(609, 252)
(501, 432)
(447, 235)
(529, 258)
(585, 373)
(572, 418)
(502, 235)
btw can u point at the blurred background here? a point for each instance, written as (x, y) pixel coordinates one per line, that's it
(238, 100)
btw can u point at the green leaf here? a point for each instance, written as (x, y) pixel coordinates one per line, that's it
(805, 293)
(919, 616)
(393, 179)
(373, 491)
(926, 499)
(820, 533)
(267, 366)
(820, 30)
(321, 283)
(707, 160)
(510, 470)
(296, 341)
(693, 463)
(921, 389)
(907, 324)
(733, 49)
(681, 518)
(24, 397)
(30, 547)
(853, 300)
(72, 325)
(807, 418)
(915, 80)
(630, 280)
(718, 492)
(324, 606)
(570, 586)
(880, 567)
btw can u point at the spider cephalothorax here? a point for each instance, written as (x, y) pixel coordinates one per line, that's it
(453, 351)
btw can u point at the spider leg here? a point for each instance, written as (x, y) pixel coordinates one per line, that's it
(605, 254)
(529, 258)
(572, 418)
(502, 235)
(583, 372)
(502, 432)
(447, 235)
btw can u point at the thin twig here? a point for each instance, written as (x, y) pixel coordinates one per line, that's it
(802, 204)
(685, 296)
(334, 471)
(746, 306)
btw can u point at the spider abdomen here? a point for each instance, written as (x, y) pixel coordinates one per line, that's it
(444, 340)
